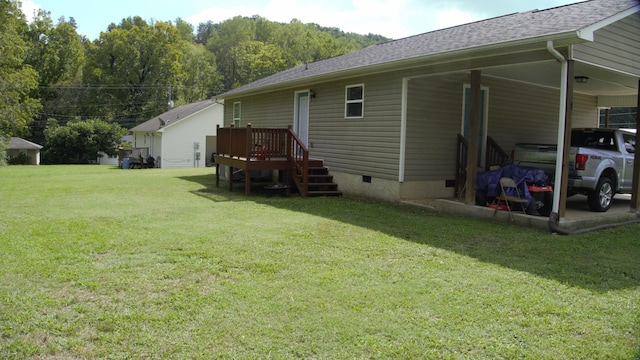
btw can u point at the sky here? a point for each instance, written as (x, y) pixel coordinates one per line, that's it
(390, 18)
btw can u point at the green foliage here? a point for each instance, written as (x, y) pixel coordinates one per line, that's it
(256, 60)
(57, 54)
(200, 78)
(4, 145)
(130, 73)
(251, 48)
(131, 60)
(20, 159)
(17, 79)
(185, 30)
(79, 142)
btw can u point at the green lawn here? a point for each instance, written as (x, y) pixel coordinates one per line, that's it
(97, 262)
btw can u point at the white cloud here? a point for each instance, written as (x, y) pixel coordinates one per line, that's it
(453, 17)
(28, 8)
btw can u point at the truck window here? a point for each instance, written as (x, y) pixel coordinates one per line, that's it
(603, 140)
(629, 143)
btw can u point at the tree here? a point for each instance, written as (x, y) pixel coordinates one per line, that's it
(200, 79)
(224, 43)
(135, 63)
(78, 142)
(256, 60)
(57, 54)
(204, 32)
(17, 79)
(185, 30)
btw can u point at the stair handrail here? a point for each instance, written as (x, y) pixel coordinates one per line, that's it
(461, 165)
(298, 156)
(495, 155)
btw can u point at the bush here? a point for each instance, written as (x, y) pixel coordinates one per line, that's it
(21, 159)
(3, 152)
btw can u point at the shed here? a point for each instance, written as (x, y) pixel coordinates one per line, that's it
(19, 146)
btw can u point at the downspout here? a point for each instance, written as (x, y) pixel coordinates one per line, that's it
(561, 123)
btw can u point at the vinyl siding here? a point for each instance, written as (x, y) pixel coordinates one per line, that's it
(520, 112)
(177, 141)
(267, 110)
(369, 145)
(434, 115)
(517, 112)
(616, 46)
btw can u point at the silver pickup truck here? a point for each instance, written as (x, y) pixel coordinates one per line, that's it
(600, 165)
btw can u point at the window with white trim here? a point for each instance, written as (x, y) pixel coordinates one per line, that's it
(236, 113)
(354, 101)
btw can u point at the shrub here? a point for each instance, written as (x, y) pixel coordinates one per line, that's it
(21, 159)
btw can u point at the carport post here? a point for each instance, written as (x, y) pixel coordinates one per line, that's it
(564, 116)
(635, 189)
(566, 141)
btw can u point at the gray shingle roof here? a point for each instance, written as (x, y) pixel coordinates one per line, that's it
(22, 144)
(174, 115)
(504, 29)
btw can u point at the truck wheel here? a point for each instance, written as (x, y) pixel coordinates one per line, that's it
(601, 198)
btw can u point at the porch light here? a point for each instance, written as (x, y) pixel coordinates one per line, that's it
(580, 79)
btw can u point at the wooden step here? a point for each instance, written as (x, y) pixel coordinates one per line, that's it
(327, 186)
(324, 193)
(318, 178)
(320, 182)
(318, 170)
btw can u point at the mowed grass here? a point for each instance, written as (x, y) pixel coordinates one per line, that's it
(97, 262)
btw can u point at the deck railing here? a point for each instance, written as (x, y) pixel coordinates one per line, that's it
(461, 166)
(252, 143)
(299, 157)
(256, 144)
(495, 155)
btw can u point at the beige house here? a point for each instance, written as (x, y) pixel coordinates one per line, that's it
(389, 120)
(19, 146)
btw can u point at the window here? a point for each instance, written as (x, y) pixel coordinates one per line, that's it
(354, 107)
(236, 114)
(629, 143)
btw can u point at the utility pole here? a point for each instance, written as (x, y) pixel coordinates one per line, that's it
(170, 103)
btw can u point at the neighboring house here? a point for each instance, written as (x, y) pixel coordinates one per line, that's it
(181, 137)
(386, 119)
(106, 159)
(19, 146)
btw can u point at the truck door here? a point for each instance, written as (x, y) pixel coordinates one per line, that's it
(628, 154)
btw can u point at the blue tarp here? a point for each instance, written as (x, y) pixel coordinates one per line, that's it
(488, 182)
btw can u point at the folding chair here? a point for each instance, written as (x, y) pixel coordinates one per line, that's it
(509, 194)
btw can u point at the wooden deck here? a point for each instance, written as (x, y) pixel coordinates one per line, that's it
(271, 149)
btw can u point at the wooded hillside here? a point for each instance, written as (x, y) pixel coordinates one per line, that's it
(136, 68)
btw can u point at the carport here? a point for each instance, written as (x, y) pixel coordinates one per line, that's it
(588, 63)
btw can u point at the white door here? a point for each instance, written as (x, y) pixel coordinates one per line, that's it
(301, 120)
